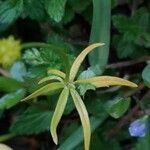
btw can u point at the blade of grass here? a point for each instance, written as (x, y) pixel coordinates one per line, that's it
(100, 32)
(76, 137)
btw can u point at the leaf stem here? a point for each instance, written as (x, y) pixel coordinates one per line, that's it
(58, 50)
(128, 63)
(6, 137)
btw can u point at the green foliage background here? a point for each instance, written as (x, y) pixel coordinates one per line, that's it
(71, 24)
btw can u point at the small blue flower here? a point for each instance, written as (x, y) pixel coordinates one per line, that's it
(138, 128)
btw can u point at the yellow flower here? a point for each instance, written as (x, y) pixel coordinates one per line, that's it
(10, 51)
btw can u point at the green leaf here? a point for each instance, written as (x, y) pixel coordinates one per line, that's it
(144, 40)
(67, 130)
(100, 32)
(146, 75)
(83, 116)
(143, 143)
(124, 46)
(84, 87)
(11, 99)
(33, 57)
(51, 87)
(32, 121)
(76, 137)
(60, 107)
(35, 9)
(96, 107)
(133, 35)
(120, 22)
(114, 3)
(117, 107)
(35, 72)
(55, 9)
(79, 6)
(100, 143)
(60, 40)
(9, 84)
(50, 47)
(10, 10)
(142, 18)
(68, 16)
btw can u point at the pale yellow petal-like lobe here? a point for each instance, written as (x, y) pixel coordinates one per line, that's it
(49, 78)
(83, 116)
(44, 90)
(106, 81)
(4, 147)
(62, 101)
(57, 73)
(75, 66)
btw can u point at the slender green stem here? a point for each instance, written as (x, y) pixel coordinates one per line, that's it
(6, 137)
(56, 49)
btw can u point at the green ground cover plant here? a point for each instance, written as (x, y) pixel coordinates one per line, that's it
(47, 90)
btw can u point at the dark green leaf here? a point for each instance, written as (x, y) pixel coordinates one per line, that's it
(34, 57)
(117, 107)
(68, 16)
(10, 10)
(35, 9)
(55, 9)
(114, 3)
(98, 142)
(143, 40)
(143, 143)
(39, 71)
(76, 137)
(9, 84)
(134, 34)
(142, 18)
(96, 106)
(120, 22)
(68, 130)
(78, 6)
(69, 107)
(11, 99)
(32, 121)
(125, 48)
